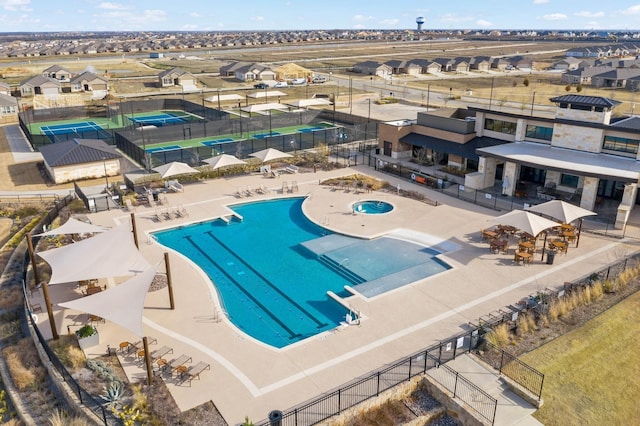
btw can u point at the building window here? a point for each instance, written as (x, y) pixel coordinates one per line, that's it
(569, 180)
(538, 132)
(500, 126)
(615, 143)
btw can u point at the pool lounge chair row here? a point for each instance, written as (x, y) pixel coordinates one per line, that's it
(170, 213)
(250, 191)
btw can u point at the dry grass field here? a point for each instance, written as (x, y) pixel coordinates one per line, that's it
(590, 373)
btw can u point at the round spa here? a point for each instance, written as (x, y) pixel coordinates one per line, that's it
(372, 207)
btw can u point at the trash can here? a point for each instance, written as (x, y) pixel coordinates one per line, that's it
(551, 255)
(275, 418)
(155, 195)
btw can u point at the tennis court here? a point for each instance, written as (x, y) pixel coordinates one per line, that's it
(233, 138)
(74, 128)
(161, 118)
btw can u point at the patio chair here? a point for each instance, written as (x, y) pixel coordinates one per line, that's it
(193, 372)
(239, 193)
(294, 186)
(285, 187)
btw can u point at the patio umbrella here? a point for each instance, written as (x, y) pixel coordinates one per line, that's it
(566, 212)
(74, 226)
(223, 161)
(175, 168)
(528, 222)
(270, 154)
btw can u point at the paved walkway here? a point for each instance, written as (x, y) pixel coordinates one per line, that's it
(248, 378)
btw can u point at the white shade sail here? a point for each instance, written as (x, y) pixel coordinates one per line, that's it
(123, 304)
(74, 226)
(175, 168)
(561, 210)
(270, 154)
(524, 221)
(223, 161)
(110, 254)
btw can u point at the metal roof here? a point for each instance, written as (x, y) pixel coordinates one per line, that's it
(77, 151)
(585, 100)
(466, 150)
(602, 166)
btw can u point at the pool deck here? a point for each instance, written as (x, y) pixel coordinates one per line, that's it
(248, 378)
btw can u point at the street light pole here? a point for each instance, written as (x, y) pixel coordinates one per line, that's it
(106, 177)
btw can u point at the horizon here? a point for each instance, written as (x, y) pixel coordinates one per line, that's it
(40, 16)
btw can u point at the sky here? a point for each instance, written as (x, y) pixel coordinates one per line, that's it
(261, 15)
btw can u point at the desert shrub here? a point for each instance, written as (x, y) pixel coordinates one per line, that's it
(68, 352)
(62, 418)
(77, 206)
(24, 364)
(525, 324)
(11, 297)
(597, 290)
(610, 286)
(102, 370)
(499, 336)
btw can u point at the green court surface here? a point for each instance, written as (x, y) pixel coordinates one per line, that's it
(105, 123)
(221, 139)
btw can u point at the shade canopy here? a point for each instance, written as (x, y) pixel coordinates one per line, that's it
(110, 254)
(74, 226)
(270, 154)
(123, 304)
(223, 160)
(175, 168)
(561, 210)
(524, 221)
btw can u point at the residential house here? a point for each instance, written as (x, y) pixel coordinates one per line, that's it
(78, 159)
(56, 72)
(583, 75)
(567, 64)
(616, 78)
(89, 82)
(373, 68)
(5, 89)
(403, 67)
(480, 63)
(176, 77)
(40, 85)
(8, 109)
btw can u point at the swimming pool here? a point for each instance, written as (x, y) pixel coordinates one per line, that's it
(372, 207)
(273, 269)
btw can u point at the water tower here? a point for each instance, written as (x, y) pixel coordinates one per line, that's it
(420, 21)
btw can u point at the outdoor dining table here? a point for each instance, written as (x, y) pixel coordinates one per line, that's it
(489, 235)
(526, 246)
(523, 256)
(498, 245)
(559, 245)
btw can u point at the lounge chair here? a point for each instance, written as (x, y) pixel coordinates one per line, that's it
(294, 186)
(285, 187)
(175, 186)
(291, 169)
(240, 193)
(194, 371)
(159, 353)
(181, 360)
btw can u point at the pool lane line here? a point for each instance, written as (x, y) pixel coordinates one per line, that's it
(292, 334)
(269, 283)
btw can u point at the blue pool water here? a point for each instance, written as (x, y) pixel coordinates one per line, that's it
(272, 270)
(372, 207)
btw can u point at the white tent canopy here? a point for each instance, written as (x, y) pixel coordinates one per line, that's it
(110, 254)
(270, 154)
(528, 222)
(561, 210)
(123, 304)
(223, 161)
(175, 168)
(264, 107)
(303, 103)
(266, 94)
(74, 226)
(232, 97)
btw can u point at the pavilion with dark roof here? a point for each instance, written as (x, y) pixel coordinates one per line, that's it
(80, 159)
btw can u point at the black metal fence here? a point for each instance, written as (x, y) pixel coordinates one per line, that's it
(360, 390)
(523, 374)
(84, 397)
(490, 198)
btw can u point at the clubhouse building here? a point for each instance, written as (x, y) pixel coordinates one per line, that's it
(582, 152)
